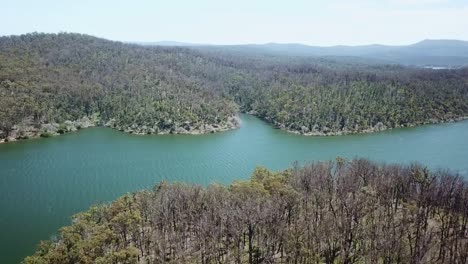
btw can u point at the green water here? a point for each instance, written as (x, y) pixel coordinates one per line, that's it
(44, 181)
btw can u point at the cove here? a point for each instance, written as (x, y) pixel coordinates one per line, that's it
(44, 181)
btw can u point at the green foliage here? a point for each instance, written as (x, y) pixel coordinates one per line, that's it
(123, 256)
(53, 78)
(46, 134)
(62, 129)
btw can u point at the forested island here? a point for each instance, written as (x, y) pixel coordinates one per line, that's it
(51, 84)
(343, 211)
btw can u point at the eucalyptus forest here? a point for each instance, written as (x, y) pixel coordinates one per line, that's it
(55, 83)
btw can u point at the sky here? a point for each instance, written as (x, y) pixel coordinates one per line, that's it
(313, 22)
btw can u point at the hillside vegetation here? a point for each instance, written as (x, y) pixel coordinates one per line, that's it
(326, 212)
(55, 83)
(53, 78)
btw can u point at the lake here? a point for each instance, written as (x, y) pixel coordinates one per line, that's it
(44, 181)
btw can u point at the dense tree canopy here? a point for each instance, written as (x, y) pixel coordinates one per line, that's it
(326, 212)
(48, 78)
(54, 78)
(324, 96)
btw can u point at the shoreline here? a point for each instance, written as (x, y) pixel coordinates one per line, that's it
(232, 122)
(54, 129)
(370, 130)
(216, 128)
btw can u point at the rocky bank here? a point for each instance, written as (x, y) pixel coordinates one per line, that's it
(171, 127)
(325, 131)
(28, 129)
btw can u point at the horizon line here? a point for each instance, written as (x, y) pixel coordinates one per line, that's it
(190, 43)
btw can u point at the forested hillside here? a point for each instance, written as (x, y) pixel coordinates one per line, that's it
(53, 78)
(323, 96)
(55, 83)
(326, 212)
(319, 101)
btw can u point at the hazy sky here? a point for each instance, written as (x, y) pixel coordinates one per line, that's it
(324, 22)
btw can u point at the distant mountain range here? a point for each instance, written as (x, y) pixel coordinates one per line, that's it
(168, 43)
(437, 53)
